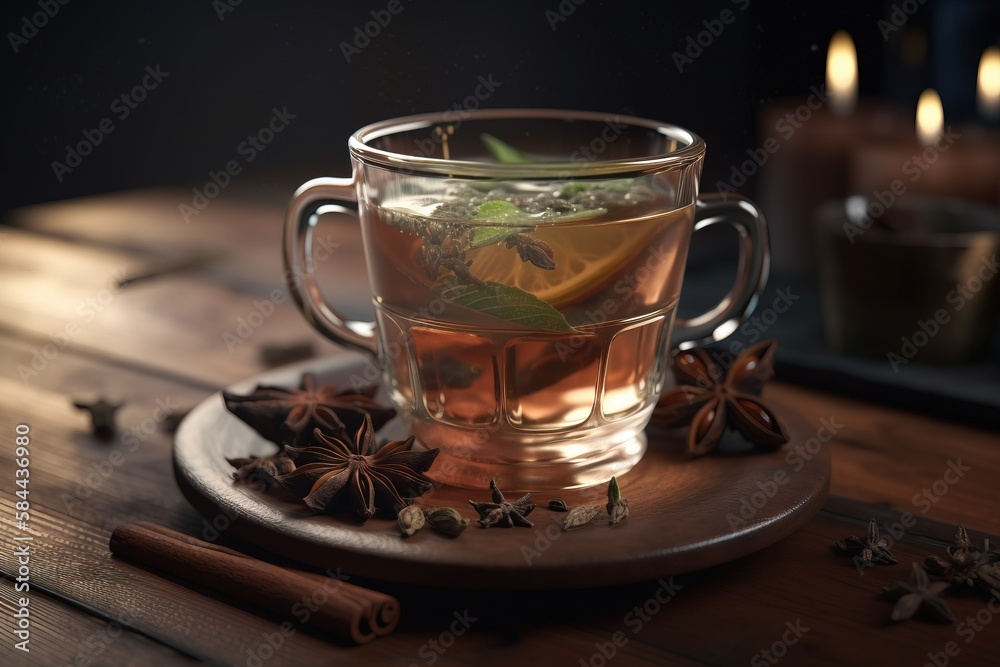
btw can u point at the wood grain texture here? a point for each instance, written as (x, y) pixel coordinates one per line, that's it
(165, 338)
(904, 460)
(685, 514)
(96, 641)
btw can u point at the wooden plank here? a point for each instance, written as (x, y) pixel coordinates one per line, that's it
(906, 461)
(752, 597)
(64, 635)
(248, 235)
(174, 324)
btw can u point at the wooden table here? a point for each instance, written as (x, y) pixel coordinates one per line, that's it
(67, 332)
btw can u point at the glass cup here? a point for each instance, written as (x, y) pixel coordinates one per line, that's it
(525, 267)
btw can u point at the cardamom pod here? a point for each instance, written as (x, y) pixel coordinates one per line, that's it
(580, 516)
(558, 505)
(410, 519)
(446, 520)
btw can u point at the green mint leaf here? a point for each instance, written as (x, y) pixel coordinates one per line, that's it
(569, 216)
(511, 304)
(503, 152)
(498, 210)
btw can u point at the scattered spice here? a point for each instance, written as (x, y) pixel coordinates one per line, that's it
(617, 506)
(262, 469)
(580, 516)
(558, 505)
(280, 414)
(410, 520)
(967, 565)
(871, 549)
(336, 473)
(102, 416)
(502, 513)
(919, 595)
(446, 520)
(710, 402)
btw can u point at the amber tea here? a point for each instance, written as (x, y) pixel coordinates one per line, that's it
(525, 301)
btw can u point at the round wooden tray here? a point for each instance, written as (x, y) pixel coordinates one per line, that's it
(685, 514)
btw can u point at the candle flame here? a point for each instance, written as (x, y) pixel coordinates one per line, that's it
(842, 73)
(930, 117)
(988, 88)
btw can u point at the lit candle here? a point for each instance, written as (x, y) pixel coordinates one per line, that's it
(842, 73)
(988, 85)
(809, 142)
(936, 159)
(930, 118)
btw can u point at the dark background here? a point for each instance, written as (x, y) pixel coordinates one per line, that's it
(226, 74)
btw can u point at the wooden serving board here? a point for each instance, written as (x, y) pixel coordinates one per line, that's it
(685, 514)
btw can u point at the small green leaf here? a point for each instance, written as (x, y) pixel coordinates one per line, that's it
(569, 216)
(484, 236)
(503, 152)
(505, 302)
(501, 212)
(614, 493)
(498, 210)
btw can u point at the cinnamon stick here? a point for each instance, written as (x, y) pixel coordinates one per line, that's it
(327, 603)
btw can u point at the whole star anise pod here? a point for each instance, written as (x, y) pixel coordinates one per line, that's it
(919, 594)
(281, 414)
(502, 513)
(967, 564)
(871, 549)
(710, 401)
(336, 473)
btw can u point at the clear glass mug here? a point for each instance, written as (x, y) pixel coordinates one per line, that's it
(525, 267)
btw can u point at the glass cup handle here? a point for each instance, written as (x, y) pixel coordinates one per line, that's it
(318, 196)
(751, 276)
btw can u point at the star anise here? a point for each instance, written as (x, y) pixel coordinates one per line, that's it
(532, 250)
(967, 564)
(281, 414)
(919, 594)
(871, 549)
(262, 469)
(502, 513)
(710, 402)
(336, 473)
(102, 416)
